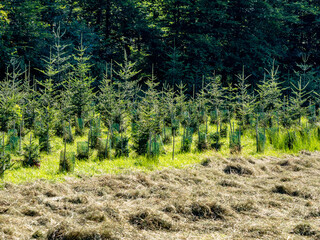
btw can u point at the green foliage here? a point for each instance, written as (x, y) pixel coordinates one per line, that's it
(95, 132)
(186, 140)
(5, 163)
(82, 150)
(141, 139)
(269, 93)
(154, 148)
(79, 123)
(80, 84)
(13, 141)
(31, 154)
(223, 131)
(10, 97)
(166, 135)
(245, 100)
(67, 133)
(202, 143)
(261, 140)
(44, 138)
(121, 146)
(215, 141)
(298, 100)
(290, 139)
(67, 161)
(174, 74)
(103, 147)
(107, 99)
(235, 142)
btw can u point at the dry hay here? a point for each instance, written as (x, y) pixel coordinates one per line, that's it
(218, 199)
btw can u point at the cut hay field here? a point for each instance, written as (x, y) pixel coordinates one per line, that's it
(221, 198)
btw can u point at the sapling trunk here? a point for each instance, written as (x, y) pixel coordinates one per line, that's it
(217, 119)
(206, 129)
(65, 147)
(257, 134)
(29, 158)
(20, 139)
(111, 136)
(239, 137)
(48, 147)
(107, 144)
(3, 153)
(150, 143)
(229, 117)
(173, 143)
(70, 130)
(89, 137)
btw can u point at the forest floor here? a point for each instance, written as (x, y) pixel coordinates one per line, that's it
(221, 198)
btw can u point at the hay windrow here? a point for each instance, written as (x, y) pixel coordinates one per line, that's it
(237, 169)
(149, 220)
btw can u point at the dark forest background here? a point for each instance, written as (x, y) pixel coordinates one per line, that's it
(183, 39)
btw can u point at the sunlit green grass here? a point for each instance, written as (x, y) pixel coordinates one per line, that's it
(49, 169)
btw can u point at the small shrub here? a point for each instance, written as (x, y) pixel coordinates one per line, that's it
(31, 155)
(214, 139)
(202, 143)
(153, 148)
(140, 145)
(68, 136)
(95, 132)
(225, 116)
(67, 161)
(44, 140)
(13, 140)
(261, 140)
(122, 147)
(79, 123)
(82, 150)
(186, 141)
(103, 152)
(223, 131)
(58, 128)
(235, 142)
(214, 118)
(273, 135)
(5, 163)
(312, 116)
(167, 135)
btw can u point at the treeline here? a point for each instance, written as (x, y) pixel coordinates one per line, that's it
(183, 39)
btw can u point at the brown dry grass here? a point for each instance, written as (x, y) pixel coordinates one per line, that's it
(235, 198)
